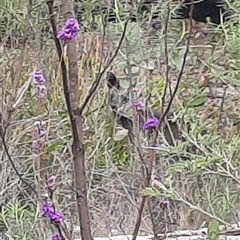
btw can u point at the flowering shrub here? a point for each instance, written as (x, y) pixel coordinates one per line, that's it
(47, 207)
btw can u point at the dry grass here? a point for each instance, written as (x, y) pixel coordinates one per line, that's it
(201, 172)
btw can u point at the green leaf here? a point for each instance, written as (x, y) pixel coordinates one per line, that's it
(120, 134)
(213, 230)
(53, 146)
(197, 101)
(124, 83)
(148, 191)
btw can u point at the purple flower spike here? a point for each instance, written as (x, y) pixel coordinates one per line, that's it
(35, 145)
(48, 211)
(46, 208)
(72, 23)
(151, 123)
(39, 82)
(57, 217)
(57, 236)
(38, 77)
(139, 105)
(50, 182)
(70, 30)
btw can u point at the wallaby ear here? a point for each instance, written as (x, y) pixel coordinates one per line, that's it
(112, 81)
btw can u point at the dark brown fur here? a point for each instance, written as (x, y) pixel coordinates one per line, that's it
(215, 10)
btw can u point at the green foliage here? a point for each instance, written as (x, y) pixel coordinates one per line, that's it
(16, 219)
(213, 230)
(208, 154)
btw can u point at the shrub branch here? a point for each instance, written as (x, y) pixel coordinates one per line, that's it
(152, 153)
(72, 95)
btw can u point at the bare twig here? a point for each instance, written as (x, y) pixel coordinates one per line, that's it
(167, 82)
(100, 75)
(13, 165)
(152, 157)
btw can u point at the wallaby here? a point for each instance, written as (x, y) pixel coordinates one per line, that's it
(118, 99)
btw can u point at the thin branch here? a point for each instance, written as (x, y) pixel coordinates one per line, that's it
(13, 165)
(77, 146)
(152, 157)
(99, 77)
(167, 82)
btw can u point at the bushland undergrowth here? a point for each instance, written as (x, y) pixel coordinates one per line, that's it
(195, 178)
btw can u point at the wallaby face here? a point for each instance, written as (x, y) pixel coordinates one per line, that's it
(118, 100)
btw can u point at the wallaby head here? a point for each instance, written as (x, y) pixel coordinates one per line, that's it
(117, 98)
(119, 102)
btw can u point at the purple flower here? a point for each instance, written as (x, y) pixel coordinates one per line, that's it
(57, 217)
(42, 133)
(46, 208)
(73, 24)
(139, 105)
(38, 78)
(35, 145)
(70, 30)
(50, 182)
(39, 123)
(57, 236)
(159, 177)
(156, 25)
(135, 89)
(38, 142)
(48, 211)
(39, 84)
(65, 35)
(164, 204)
(151, 123)
(40, 90)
